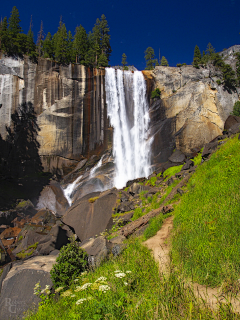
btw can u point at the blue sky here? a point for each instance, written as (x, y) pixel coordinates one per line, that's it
(173, 26)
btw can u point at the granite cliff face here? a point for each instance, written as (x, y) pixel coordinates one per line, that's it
(72, 113)
(70, 104)
(192, 109)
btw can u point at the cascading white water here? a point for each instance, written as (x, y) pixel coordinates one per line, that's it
(69, 190)
(131, 149)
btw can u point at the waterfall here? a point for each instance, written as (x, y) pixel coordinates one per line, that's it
(128, 112)
(70, 188)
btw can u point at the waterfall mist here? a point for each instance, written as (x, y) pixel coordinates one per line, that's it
(128, 112)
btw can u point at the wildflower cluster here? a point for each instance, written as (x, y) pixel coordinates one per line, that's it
(38, 291)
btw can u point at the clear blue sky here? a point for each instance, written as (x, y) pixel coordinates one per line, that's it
(173, 26)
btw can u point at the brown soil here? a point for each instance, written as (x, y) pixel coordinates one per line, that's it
(160, 245)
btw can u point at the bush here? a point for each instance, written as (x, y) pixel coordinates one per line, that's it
(71, 261)
(219, 82)
(156, 93)
(236, 109)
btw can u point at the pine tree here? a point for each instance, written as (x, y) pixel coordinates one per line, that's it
(70, 55)
(151, 62)
(61, 44)
(105, 38)
(14, 30)
(96, 43)
(47, 47)
(40, 40)
(80, 45)
(4, 38)
(197, 57)
(102, 61)
(31, 47)
(124, 60)
(210, 50)
(164, 62)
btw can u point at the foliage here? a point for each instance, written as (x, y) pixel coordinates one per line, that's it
(151, 181)
(181, 64)
(154, 225)
(92, 200)
(236, 109)
(198, 159)
(197, 57)
(138, 212)
(206, 242)
(124, 60)
(164, 62)
(172, 171)
(237, 54)
(156, 94)
(219, 82)
(47, 47)
(71, 261)
(80, 45)
(128, 287)
(151, 62)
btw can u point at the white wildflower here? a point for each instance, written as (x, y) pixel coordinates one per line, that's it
(128, 271)
(85, 286)
(117, 271)
(76, 280)
(66, 293)
(83, 273)
(59, 289)
(120, 275)
(73, 296)
(81, 301)
(89, 298)
(101, 279)
(126, 284)
(104, 288)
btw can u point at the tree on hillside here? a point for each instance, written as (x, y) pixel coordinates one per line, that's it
(40, 40)
(4, 38)
(124, 61)
(197, 57)
(47, 47)
(61, 44)
(80, 45)
(96, 43)
(164, 62)
(90, 56)
(105, 39)
(30, 44)
(14, 31)
(210, 50)
(238, 68)
(151, 62)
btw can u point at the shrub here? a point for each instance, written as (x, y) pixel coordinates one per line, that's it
(236, 109)
(71, 261)
(219, 82)
(156, 94)
(91, 200)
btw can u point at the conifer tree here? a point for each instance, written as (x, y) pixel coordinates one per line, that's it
(197, 57)
(96, 43)
(210, 50)
(47, 47)
(105, 38)
(164, 62)
(14, 30)
(40, 40)
(61, 44)
(4, 39)
(151, 62)
(80, 45)
(30, 45)
(124, 60)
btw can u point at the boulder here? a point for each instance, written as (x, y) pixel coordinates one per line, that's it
(44, 217)
(18, 286)
(125, 206)
(124, 196)
(136, 188)
(92, 214)
(209, 148)
(97, 250)
(189, 164)
(151, 192)
(177, 157)
(52, 198)
(231, 120)
(234, 129)
(117, 244)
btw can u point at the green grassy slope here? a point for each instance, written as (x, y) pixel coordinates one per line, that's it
(207, 239)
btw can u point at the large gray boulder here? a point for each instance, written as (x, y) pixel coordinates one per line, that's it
(18, 286)
(92, 214)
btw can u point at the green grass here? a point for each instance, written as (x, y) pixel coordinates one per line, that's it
(141, 294)
(207, 221)
(154, 225)
(172, 171)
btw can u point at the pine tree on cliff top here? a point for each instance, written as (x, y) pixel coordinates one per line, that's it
(61, 44)
(4, 40)
(47, 47)
(80, 45)
(30, 44)
(14, 31)
(164, 62)
(40, 40)
(105, 38)
(151, 62)
(197, 57)
(124, 60)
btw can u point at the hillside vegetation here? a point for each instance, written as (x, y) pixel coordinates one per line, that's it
(205, 249)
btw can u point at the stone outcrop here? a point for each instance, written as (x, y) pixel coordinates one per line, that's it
(70, 105)
(192, 109)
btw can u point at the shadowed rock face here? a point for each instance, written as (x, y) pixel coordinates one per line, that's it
(70, 104)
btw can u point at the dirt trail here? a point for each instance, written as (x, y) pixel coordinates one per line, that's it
(160, 246)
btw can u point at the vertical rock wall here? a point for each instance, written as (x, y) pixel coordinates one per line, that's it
(70, 104)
